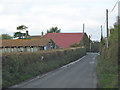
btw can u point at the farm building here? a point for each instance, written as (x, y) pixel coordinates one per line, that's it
(36, 36)
(23, 45)
(65, 40)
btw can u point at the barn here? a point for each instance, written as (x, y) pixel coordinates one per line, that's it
(65, 40)
(26, 45)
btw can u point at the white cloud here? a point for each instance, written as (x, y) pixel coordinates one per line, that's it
(6, 23)
(1, 8)
(69, 15)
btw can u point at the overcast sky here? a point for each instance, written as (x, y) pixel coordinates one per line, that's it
(68, 15)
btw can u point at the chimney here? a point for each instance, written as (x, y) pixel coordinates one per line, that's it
(27, 34)
(41, 34)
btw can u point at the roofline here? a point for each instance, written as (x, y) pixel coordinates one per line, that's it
(23, 45)
(68, 33)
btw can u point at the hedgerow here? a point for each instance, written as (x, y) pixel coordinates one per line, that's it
(17, 67)
(107, 69)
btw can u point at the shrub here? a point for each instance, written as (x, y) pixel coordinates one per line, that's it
(107, 69)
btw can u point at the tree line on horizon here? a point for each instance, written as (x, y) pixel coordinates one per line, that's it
(21, 35)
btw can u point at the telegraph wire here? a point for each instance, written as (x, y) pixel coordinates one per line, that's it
(114, 6)
(104, 24)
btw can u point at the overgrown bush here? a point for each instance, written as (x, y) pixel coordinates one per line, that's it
(17, 67)
(95, 45)
(107, 69)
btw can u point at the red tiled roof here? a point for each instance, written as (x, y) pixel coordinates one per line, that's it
(64, 40)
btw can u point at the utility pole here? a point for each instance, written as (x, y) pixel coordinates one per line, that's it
(107, 27)
(55, 40)
(101, 30)
(101, 33)
(83, 28)
(83, 33)
(90, 42)
(101, 40)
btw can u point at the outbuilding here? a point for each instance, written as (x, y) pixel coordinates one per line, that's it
(26, 45)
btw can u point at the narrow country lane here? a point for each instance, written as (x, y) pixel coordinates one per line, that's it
(78, 74)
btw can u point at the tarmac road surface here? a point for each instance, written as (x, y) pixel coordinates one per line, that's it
(78, 74)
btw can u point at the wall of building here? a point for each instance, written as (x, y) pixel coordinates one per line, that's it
(48, 46)
(0, 50)
(28, 49)
(20, 49)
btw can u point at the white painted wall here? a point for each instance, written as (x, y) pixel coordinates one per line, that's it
(45, 47)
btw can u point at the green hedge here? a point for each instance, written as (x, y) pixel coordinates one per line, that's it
(17, 67)
(107, 69)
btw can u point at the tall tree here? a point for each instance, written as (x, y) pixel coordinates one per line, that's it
(5, 36)
(22, 27)
(54, 30)
(19, 34)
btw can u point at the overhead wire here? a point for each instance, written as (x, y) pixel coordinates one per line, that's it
(114, 6)
(111, 12)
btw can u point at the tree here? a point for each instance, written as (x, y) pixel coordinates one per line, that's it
(54, 30)
(22, 27)
(19, 34)
(5, 36)
(75, 45)
(95, 46)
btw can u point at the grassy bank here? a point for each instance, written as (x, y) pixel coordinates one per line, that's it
(18, 67)
(107, 69)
